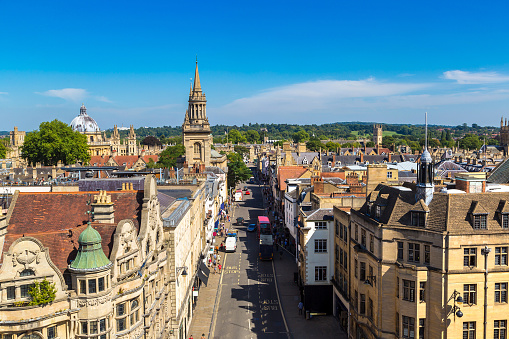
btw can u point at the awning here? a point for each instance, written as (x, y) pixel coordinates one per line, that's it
(203, 273)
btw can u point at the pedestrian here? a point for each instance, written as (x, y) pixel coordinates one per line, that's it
(210, 261)
(214, 262)
(216, 249)
(203, 336)
(191, 337)
(300, 306)
(215, 269)
(219, 266)
(215, 257)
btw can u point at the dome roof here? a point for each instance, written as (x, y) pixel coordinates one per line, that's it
(90, 253)
(84, 122)
(426, 157)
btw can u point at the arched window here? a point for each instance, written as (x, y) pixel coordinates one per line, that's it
(91, 138)
(27, 273)
(134, 304)
(197, 148)
(32, 336)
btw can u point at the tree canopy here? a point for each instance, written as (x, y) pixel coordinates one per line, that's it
(237, 169)
(55, 141)
(168, 157)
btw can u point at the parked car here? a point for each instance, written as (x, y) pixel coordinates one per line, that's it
(251, 228)
(247, 193)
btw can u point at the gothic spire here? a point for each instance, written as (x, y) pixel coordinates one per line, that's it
(197, 85)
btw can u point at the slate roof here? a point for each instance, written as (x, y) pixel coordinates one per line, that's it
(500, 175)
(447, 212)
(57, 220)
(319, 214)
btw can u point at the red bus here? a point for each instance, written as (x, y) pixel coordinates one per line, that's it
(265, 236)
(263, 225)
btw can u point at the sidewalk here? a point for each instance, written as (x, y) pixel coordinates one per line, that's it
(317, 327)
(205, 308)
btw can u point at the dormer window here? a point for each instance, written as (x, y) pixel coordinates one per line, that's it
(378, 211)
(480, 221)
(418, 218)
(305, 161)
(505, 220)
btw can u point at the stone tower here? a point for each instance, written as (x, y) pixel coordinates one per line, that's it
(196, 133)
(377, 135)
(504, 135)
(115, 140)
(132, 146)
(425, 185)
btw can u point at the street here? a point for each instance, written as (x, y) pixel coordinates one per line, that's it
(249, 304)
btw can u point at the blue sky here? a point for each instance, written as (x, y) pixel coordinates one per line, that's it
(261, 61)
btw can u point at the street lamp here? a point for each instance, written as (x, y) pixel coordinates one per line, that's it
(183, 269)
(457, 299)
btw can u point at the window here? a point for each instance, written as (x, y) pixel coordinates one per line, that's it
(400, 250)
(7, 336)
(26, 273)
(337, 230)
(371, 243)
(505, 220)
(356, 300)
(480, 221)
(397, 287)
(24, 290)
(469, 294)
(500, 255)
(356, 267)
(427, 254)
(83, 286)
(120, 309)
(121, 324)
(389, 175)
(321, 225)
(414, 252)
(102, 325)
(418, 219)
(370, 309)
(363, 271)
(422, 291)
(501, 292)
(320, 245)
(378, 211)
(500, 329)
(92, 288)
(93, 327)
(422, 326)
(408, 327)
(362, 309)
(337, 250)
(372, 276)
(11, 292)
(52, 332)
(408, 290)
(345, 232)
(470, 257)
(84, 327)
(363, 237)
(345, 261)
(356, 232)
(101, 284)
(321, 273)
(469, 330)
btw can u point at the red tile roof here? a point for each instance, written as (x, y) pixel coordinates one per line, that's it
(289, 172)
(57, 219)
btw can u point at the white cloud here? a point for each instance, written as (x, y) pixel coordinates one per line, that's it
(71, 94)
(102, 99)
(468, 78)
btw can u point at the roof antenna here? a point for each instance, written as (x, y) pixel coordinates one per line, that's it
(426, 131)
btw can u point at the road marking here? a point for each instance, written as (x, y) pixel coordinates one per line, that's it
(279, 301)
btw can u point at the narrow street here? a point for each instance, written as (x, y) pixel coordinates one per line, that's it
(249, 305)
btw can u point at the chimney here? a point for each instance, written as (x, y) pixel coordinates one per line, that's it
(362, 156)
(202, 168)
(103, 208)
(389, 158)
(318, 186)
(313, 180)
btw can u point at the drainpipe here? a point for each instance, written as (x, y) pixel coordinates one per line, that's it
(485, 251)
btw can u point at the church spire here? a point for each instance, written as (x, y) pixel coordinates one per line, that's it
(197, 85)
(425, 174)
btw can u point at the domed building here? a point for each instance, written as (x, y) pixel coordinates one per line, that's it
(98, 144)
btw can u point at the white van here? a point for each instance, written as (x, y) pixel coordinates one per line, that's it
(230, 244)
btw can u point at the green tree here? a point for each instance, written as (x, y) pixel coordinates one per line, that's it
(235, 137)
(151, 163)
(253, 137)
(42, 292)
(332, 146)
(279, 143)
(55, 141)
(301, 136)
(242, 150)
(315, 144)
(168, 157)
(370, 144)
(470, 142)
(3, 148)
(237, 169)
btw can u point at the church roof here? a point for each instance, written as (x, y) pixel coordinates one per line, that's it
(84, 122)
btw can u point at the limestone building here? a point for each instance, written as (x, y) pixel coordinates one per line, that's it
(16, 140)
(97, 141)
(196, 133)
